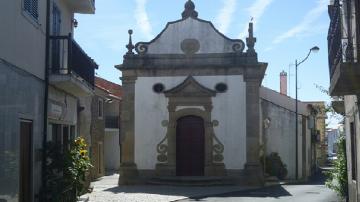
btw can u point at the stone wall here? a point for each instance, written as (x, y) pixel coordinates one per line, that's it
(280, 136)
(97, 139)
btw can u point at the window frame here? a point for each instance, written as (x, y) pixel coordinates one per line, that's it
(100, 108)
(31, 12)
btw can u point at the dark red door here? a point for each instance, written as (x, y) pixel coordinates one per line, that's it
(190, 146)
(25, 161)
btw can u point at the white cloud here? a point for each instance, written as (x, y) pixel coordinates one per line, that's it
(256, 11)
(268, 49)
(306, 25)
(142, 18)
(224, 18)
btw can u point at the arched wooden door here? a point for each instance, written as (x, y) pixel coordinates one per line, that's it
(190, 146)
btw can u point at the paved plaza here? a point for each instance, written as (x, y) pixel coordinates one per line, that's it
(107, 190)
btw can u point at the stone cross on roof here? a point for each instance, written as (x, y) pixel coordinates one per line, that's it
(189, 10)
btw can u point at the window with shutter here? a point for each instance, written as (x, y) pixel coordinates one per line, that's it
(31, 7)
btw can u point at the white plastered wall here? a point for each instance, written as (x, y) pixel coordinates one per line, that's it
(23, 42)
(22, 38)
(229, 109)
(202, 31)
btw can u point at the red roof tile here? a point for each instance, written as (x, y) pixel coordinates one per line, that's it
(113, 88)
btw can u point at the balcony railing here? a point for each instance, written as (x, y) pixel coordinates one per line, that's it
(335, 37)
(68, 58)
(112, 122)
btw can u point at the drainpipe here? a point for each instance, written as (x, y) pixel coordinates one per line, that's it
(46, 96)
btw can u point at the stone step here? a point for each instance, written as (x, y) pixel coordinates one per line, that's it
(271, 180)
(192, 181)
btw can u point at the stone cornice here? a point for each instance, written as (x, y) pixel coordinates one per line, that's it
(191, 61)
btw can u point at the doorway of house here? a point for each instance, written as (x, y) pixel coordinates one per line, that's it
(190, 146)
(25, 161)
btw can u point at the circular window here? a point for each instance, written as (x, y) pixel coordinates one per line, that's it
(158, 88)
(221, 87)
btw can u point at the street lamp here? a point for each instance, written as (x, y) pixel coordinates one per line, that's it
(314, 49)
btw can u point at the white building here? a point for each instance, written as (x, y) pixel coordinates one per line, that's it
(42, 69)
(344, 40)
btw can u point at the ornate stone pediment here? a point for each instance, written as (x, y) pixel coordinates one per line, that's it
(203, 35)
(190, 36)
(190, 88)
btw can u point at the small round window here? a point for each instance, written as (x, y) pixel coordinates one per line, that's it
(158, 88)
(221, 87)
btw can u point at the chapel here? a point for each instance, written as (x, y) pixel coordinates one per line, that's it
(190, 105)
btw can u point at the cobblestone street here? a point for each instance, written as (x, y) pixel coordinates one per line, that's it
(107, 190)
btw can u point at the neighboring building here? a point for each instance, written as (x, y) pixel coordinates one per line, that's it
(23, 56)
(22, 75)
(105, 125)
(112, 123)
(97, 132)
(100, 119)
(190, 102)
(320, 132)
(344, 40)
(278, 134)
(332, 138)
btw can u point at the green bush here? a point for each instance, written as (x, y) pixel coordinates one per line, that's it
(275, 167)
(337, 178)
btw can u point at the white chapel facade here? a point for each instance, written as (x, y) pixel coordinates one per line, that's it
(191, 104)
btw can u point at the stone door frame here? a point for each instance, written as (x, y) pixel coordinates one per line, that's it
(196, 102)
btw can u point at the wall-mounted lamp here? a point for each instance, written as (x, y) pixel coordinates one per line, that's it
(75, 23)
(267, 122)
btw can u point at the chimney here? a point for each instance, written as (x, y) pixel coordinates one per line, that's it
(283, 83)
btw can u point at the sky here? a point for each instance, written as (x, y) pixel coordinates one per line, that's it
(285, 29)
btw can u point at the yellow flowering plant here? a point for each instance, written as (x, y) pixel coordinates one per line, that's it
(77, 163)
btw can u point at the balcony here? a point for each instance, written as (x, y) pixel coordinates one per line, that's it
(82, 6)
(345, 79)
(71, 69)
(338, 106)
(343, 69)
(335, 37)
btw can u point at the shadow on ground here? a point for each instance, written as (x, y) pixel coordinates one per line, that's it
(318, 178)
(272, 192)
(173, 190)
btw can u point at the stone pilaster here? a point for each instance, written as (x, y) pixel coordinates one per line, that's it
(128, 168)
(253, 169)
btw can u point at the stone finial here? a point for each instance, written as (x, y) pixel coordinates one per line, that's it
(130, 46)
(189, 10)
(251, 40)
